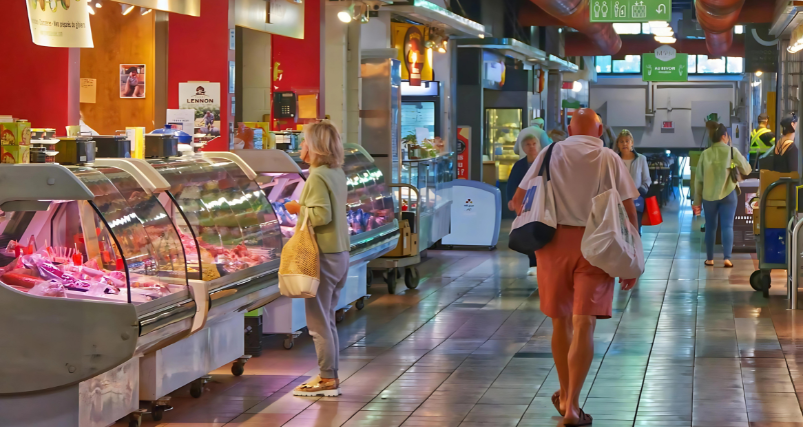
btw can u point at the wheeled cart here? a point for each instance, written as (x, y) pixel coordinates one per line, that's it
(397, 267)
(771, 242)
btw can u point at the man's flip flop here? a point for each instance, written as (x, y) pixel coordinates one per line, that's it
(556, 402)
(585, 420)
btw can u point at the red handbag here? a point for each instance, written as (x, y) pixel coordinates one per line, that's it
(652, 212)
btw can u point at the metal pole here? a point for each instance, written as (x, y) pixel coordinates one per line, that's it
(792, 292)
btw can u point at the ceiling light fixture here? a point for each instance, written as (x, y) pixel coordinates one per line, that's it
(482, 36)
(127, 8)
(347, 15)
(662, 32)
(658, 24)
(91, 11)
(665, 40)
(98, 5)
(577, 86)
(759, 73)
(144, 11)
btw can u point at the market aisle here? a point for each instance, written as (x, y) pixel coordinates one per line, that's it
(690, 346)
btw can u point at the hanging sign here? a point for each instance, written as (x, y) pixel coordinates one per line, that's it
(59, 23)
(665, 65)
(416, 60)
(463, 144)
(760, 49)
(630, 10)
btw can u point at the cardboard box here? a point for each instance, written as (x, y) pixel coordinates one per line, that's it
(16, 154)
(17, 133)
(403, 246)
(775, 215)
(756, 216)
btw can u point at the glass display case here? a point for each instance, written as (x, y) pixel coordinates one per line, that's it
(369, 200)
(502, 127)
(433, 177)
(225, 222)
(119, 247)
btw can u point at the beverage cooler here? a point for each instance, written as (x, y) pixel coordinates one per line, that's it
(502, 127)
(420, 108)
(372, 224)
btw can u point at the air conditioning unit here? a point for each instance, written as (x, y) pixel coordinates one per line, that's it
(688, 27)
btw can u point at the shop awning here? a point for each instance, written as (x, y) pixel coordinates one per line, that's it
(559, 64)
(426, 13)
(508, 47)
(184, 7)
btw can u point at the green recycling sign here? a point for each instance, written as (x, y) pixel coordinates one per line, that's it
(630, 10)
(665, 65)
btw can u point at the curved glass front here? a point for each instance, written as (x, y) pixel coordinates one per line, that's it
(226, 224)
(119, 247)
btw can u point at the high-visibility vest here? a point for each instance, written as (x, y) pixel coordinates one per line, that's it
(756, 144)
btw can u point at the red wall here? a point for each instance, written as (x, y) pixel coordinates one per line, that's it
(199, 51)
(300, 61)
(33, 81)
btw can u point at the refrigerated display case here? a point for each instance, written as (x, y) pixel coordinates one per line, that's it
(420, 108)
(502, 127)
(372, 224)
(433, 178)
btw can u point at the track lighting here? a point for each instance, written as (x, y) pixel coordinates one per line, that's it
(144, 11)
(91, 11)
(347, 15)
(127, 8)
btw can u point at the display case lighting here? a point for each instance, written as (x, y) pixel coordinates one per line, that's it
(144, 11)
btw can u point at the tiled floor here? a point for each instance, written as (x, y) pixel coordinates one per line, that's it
(690, 346)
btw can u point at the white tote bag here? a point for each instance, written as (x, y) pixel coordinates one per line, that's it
(536, 224)
(610, 241)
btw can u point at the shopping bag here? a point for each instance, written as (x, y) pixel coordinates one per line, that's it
(535, 226)
(652, 212)
(610, 242)
(300, 265)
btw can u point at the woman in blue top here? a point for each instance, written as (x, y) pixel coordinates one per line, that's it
(638, 167)
(531, 146)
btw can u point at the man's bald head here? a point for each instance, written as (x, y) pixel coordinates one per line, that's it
(585, 121)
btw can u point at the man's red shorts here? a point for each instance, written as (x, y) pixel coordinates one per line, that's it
(567, 283)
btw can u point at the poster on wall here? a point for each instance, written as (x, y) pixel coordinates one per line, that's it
(204, 99)
(132, 80)
(59, 23)
(416, 60)
(463, 144)
(184, 118)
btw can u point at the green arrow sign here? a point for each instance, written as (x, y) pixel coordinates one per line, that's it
(674, 69)
(630, 10)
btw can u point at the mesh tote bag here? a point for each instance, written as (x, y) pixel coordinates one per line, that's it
(535, 226)
(300, 265)
(610, 242)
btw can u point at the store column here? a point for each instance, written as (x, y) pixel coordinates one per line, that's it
(342, 74)
(554, 84)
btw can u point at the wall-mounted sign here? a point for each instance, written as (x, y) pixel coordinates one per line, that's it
(494, 74)
(416, 60)
(760, 49)
(204, 99)
(665, 65)
(630, 10)
(463, 144)
(59, 23)
(668, 127)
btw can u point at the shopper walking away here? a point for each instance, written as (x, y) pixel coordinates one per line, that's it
(715, 189)
(761, 138)
(573, 293)
(783, 156)
(323, 201)
(531, 146)
(637, 166)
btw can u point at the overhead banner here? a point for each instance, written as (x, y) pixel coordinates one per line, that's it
(630, 10)
(760, 49)
(416, 60)
(59, 23)
(665, 65)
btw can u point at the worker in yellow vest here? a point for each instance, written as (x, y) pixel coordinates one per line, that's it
(762, 138)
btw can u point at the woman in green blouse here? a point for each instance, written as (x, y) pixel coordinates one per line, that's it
(715, 190)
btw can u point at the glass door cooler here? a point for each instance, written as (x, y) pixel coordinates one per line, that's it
(374, 229)
(502, 127)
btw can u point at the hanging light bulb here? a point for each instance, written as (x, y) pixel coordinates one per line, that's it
(144, 11)
(347, 15)
(127, 8)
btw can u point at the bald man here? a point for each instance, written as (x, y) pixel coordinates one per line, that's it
(572, 292)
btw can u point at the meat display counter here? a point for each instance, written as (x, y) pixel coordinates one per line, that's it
(372, 223)
(132, 280)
